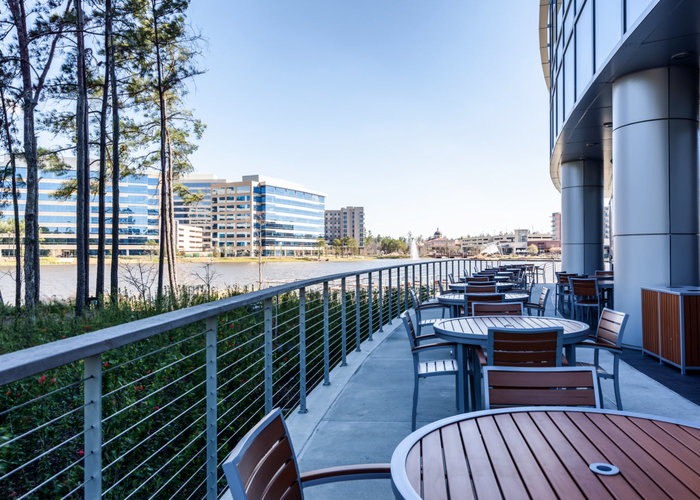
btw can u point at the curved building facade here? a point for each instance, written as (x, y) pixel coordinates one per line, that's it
(623, 82)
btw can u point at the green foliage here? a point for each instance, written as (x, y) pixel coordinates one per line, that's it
(154, 389)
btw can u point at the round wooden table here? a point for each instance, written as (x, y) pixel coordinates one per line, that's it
(470, 332)
(549, 453)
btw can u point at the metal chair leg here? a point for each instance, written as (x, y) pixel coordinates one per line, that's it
(616, 381)
(415, 403)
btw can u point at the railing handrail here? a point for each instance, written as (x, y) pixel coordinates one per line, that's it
(33, 360)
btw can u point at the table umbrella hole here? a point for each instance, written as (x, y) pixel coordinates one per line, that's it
(604, 469)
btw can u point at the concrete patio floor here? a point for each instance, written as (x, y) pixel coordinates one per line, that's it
(366, 411)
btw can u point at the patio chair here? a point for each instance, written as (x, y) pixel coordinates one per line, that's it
(520, 386)
(497, 309)
(477, 278)
(585, 297)
(451, 277)
(264, 465)
(562, 291)
(611, 327)
(431, 368)
(541, 304)
(541, 347)
(480, 288)
(427, 306)
(605, 273)
(469, 298)
(481, 283)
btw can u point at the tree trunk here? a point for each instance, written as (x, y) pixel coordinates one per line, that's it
(15, 204)
(31, 226)
(114, 268)
(100, 278)
(172, 241)
(82, 212)
(165, 187)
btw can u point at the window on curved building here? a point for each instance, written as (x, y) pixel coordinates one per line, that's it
(584, 48)
(569, 90)
(634, 10)
(608, 28)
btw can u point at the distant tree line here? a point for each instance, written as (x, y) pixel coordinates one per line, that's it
(107, 78)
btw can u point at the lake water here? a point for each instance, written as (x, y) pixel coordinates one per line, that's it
(58, 281)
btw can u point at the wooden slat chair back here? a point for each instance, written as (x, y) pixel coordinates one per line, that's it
(480, 288)
(584, 287)
(605, 273)
(469, 298)
(611, 326)
(451, 277)
(263, 465)
(518, 386)
(525, 347)
(497, 309)
(481, 283)
(541, 305)
(477, 278)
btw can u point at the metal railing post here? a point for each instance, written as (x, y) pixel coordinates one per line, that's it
(391, 317)
(398, 292)
(357, 311)
(405, 288)
(302, 350)
(433, 280)
(381, 303)
(267, 307)
(326, 345)
(212, 466)
(343, 324)
(370, 305)
(440, 271)
(420, 281)
(92, 414)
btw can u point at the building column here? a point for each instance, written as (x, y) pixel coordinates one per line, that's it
(582, 216)
(655, 185)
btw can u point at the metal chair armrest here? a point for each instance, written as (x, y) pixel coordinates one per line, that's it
(441, 345)
(346, 473)
(430, 305)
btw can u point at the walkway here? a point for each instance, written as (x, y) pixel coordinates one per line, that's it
(363, 420)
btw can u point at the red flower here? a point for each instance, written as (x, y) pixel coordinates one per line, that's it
(81, 452)
(106, 364)
(53, 380)
(8, 393)
(149, 371)
(157, 407)
(42, 379)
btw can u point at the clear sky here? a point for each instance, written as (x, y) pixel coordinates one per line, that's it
(429, 113)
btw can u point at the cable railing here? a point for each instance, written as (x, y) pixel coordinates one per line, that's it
(151, 408)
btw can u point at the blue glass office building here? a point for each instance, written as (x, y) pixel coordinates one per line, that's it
(197, 213)
(623, 83)
(138, 217)
(279, 218)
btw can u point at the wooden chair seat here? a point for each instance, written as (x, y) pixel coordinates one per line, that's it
(437, 367)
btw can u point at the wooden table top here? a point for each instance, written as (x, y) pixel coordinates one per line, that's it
(474, 330)
(458, 298)
(499, 284)
(547, 453)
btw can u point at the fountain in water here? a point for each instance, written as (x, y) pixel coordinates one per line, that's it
(413, 248)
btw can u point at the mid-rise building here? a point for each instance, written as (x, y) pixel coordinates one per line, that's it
(556, 226)
(260, 213)
(198, 211)
(189, 238)
(138, 215)
(348, 221)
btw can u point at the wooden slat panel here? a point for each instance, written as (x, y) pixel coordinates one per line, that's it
(683, 434)
(691, 312)
(650, 321)
(529, 469)
(506, 473)
(480, 466)
(660, 453)
(293, 493)
(434, 486)
(260, 446)
(278, 458)
(540, 379)
(618, 449)
(413, 468)
(552, 467)
(542, 397)
(459, 483)
(280, 483)
(588, 482)
(670, 344)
